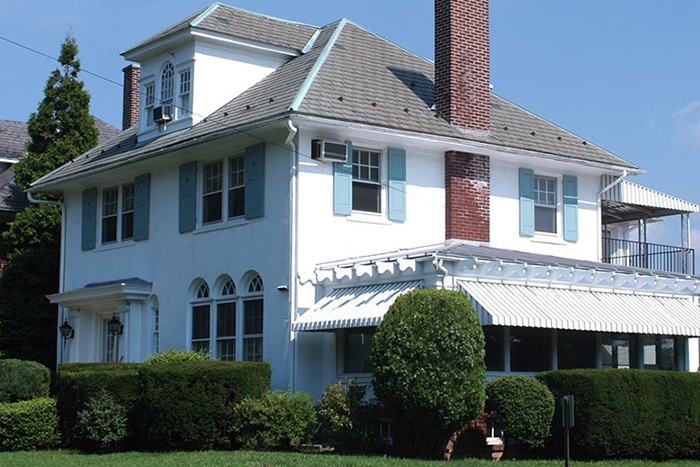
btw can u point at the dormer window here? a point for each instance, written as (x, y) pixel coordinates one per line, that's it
(184, 96)
(167, 80)
(150, 94)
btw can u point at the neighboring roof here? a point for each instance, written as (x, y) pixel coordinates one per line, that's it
(353, 75)
(243, 24)
(582, 310)
(12, 198)
(13, 140)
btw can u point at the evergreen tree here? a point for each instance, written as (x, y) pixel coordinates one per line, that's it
(60, 130)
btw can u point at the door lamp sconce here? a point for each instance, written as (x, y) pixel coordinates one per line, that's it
(67, 330)
(114, 326)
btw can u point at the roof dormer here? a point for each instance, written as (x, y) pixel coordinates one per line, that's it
(191, 69)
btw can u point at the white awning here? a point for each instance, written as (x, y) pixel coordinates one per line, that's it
(632, 193)
(555, 308)
(353, 307)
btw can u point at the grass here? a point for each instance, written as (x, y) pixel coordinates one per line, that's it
(269, 459)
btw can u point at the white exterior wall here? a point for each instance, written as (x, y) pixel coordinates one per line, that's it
(172, 261)
(505, 212)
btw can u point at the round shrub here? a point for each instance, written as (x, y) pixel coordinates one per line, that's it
(28, 424)
(428, 360)
(523, 406)
(277, 421)
(177, 355)
(23, 380)
(102, 424)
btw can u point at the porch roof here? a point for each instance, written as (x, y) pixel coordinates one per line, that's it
(353, 307)
(629, 201)
(101, 293)
(504, 304)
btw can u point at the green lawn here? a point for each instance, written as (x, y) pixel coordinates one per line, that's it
(248, 458)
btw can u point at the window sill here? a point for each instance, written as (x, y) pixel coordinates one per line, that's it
(115, 245)
(549, 239)
(237, 222)
(369, 218)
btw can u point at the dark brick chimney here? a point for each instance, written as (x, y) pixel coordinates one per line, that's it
(132, 73)
(462, 96)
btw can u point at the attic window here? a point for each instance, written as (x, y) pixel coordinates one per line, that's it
(167, 79)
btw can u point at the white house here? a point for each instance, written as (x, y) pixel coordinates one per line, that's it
(279, 184)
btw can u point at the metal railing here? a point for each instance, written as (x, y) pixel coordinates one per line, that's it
(648, 255)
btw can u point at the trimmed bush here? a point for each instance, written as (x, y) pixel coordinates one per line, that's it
(102, 424)
(76, 383)
(629, 413)
(347, 421)
(28, 424)
(278, 421)
(177, 355)
(22, 380)
(523, 406)
(428, 360)
(190, 405)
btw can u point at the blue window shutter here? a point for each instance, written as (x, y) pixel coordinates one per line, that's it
(570, 208)
(527, 202)
(89, 234)
(255, 181)
(142, 188)
(188, 197)
(342, 185)
(397, 184)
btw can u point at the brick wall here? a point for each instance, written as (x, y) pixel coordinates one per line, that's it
(132, 74)
(467, 196)
(462, 76)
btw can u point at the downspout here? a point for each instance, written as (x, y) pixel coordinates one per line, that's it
(610, 186)
(293, 142)
(440, 268)
(62, 261)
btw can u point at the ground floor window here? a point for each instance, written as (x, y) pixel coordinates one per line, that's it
(576, 349)
(357, 343)
(530, 349)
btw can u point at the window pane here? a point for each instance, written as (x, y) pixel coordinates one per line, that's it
(252, 349)
(200, 322)
(226, 349)
(658, 352)
(530, 349)
(200, 346)
(226, 319)
(366, 197)
(494, 348)
(619, 351)
(109, 229)
(545, 219)
(128, 225)
(253, 316)
(576, 349)
(213, 177)
(166, 84)
(212, 208)
(236, 202)
(358, 343)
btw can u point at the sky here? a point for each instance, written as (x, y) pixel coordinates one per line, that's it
(621, 74)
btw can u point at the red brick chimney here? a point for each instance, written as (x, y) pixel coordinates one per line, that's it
(462, 96)
(132, 74)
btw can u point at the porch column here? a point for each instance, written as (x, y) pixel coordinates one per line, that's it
(685, 230)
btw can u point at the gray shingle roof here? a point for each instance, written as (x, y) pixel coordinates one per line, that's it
(13, 139)
(12, 198)
(352, 75)
(243, 24)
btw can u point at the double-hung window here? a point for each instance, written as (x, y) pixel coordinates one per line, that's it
(253, 322)
(226, 324)
(545, 191)
(118, 209)
(184, 106)
(366, 180)
(150, 101)
(201, 319)
(216, 186)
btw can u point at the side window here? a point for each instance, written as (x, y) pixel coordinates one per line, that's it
(226, 323)
(110, 206)
(236, 187)
(213, 192)
(220, 191)
(149, 102)
(128, 211)
(184, 103)
(545, 191)
(366, 180)
(253, 321)
(119, 208)
(201, 318)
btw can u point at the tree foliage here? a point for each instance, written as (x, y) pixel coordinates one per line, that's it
(60, 130)
(428, 359)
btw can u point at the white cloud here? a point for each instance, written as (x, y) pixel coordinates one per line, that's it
(687, 109)
(687, 123)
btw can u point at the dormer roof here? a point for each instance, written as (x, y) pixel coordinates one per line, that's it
(231, 21)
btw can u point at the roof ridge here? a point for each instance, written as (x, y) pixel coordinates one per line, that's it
(218, 4)
(390, 42)
(202, 16)
(586, 140)
(296, 103)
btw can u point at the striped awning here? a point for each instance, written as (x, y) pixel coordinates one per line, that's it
(632, 193)
(353, 307)
(583, 310)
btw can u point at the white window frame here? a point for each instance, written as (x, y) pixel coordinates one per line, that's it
(202, 299)
(184, 107)
(546, 204)
(254, 293)
(228, 296)
(167, 84)
(149, 92)
(232, 183)
(357, 167)
(120, 214)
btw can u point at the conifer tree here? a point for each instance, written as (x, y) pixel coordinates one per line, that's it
(60, 130)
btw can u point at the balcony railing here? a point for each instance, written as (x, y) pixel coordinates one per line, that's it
(649, 255)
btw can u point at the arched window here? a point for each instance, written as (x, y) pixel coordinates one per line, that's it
(226, 322)
(167, 84)
(155, 324)
(201, 317)
(253, 321)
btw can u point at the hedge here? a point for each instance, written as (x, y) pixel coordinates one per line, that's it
(28, 424)
(23, 380)
(76, 383)
(629, 413)
(190, 405)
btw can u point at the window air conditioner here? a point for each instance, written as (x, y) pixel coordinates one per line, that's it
(328, 151)
(162, 114)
